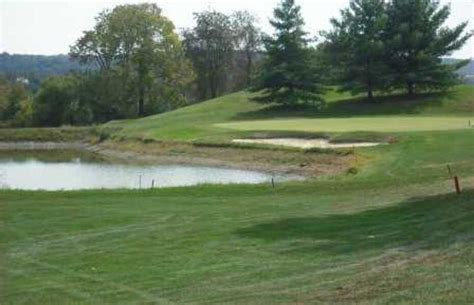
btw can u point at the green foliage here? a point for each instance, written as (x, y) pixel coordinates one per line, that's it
(25, 115)
(15, 104)
(139, 44)
(109, 95)
(224, 51)
(4, 92)
(16, 95)
(377, 46)
(58, 103)
(356, 47)
(248, 39)
(416, 40)
(289, 73)
(210, 46)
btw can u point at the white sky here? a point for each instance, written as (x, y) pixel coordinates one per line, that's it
(50, 27)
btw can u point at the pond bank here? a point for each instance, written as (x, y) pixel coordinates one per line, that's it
(30, 145)
(309, 164)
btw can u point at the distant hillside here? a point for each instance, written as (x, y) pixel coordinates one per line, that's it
(467, 71)
(39, 65)
(34, 68)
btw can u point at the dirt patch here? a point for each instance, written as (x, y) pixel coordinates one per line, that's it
(272, 161)
(306, 143)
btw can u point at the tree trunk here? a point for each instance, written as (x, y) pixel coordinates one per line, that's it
(142, 71)
(370, 90)
(410, 88)
(141, 100)
(213, 85)
(249, 68)
(370, 93)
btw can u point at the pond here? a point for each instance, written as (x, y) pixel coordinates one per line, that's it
(80, 171)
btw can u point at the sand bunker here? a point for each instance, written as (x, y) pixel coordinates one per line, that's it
(306, 143)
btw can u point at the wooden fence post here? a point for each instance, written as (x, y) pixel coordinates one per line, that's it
(456, 185)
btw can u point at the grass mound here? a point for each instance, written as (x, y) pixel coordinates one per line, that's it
(204, 121)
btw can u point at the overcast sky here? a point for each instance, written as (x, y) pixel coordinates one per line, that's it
(50, 27)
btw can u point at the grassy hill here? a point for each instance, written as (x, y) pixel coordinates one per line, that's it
(390, 232)
(216, 119)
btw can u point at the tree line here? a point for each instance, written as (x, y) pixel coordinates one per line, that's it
(395, 44)
(142, 65)
(373, 46)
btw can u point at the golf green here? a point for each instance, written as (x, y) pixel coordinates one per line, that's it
(377, 124)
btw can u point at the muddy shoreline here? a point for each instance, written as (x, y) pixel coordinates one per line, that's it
(145, 154)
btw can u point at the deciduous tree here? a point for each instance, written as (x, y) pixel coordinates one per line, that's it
(57, 102)
(248, 39)
(210, 45)
(139, 42)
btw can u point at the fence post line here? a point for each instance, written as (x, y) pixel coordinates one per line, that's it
(450, 172)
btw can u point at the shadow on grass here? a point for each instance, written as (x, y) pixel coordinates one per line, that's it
(431, 222)
(383, 105)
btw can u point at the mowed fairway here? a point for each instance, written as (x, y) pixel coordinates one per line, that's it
(375, 124)
(240, 245)
(393, 234)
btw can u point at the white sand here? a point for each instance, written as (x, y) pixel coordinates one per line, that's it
(306, 143)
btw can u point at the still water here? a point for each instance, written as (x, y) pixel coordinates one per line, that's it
(69, 171)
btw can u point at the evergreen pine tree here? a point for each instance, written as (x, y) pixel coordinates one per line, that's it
(355, 47)
(288, 74)
(417, 41)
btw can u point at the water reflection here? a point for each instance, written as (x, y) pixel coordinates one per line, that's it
(76, 173)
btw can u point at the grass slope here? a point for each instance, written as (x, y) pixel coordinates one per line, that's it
(191, 122)
(394, 233)
(204, 121)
